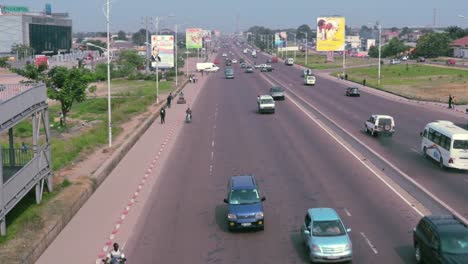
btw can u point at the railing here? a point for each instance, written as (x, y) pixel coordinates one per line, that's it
(8, 91)
(16, 157)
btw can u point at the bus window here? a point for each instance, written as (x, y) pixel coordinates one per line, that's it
(425, 133)
(460, 144)
(445, 142)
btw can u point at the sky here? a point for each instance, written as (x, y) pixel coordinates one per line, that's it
(128, 15)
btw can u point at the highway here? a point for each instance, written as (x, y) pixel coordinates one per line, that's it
(298, 166)
(403, 149)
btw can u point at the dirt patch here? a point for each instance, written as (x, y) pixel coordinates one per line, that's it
(437, 93)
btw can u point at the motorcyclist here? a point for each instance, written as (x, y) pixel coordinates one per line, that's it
(188, 113)
(115, 256)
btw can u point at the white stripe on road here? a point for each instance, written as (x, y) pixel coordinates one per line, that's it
(212, 155)
(466, 180)
(347, 212)
(212, 143)
(414, 150)
(373, 248)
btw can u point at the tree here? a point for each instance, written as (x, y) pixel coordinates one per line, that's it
(139, 37)
(433, 45)
(394, 29)
(131, 57)
(67, 87)
(304, 28)
(21, 50)
(455, 32)
(32, 72)
(3, 62)
(394, 47)
(121, 35)
(373, 52)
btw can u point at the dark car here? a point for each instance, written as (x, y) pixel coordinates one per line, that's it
(352, 91)
(249, 69)
(421, 59)
(229, 73)
(277, 93)
(440, 239)
(241, 60)
(245, 205)
(228, 62)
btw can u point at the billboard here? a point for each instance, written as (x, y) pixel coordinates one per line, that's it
(330, 33)
(162, 51)
(193, 38)
(13, 9)
(280, 39)
(290, 48)
(207, 35)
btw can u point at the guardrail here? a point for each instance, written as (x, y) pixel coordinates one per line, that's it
(8, 91)
(16, 157)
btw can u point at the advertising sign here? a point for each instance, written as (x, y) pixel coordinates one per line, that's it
(330, 33)
(291, 48)
(280, 39)
(207, 35)
(14, 9)
(193, 38)
(162, 51)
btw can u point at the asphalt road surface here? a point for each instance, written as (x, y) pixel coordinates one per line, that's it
(298, 166)
(403, 149)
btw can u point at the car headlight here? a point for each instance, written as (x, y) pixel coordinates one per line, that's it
(259, 215)
(232, 217)
(348, 247)
(315, 248)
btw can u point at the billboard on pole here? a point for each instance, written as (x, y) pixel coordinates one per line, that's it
(162, 51)
(207, 35)
(280, 39)
(330, 33)
(193, 38)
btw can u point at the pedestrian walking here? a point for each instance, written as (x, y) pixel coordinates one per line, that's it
(24, 147)
(162, 113)
(346, 76)
(364, 82)
(169, 100)
(450, 101)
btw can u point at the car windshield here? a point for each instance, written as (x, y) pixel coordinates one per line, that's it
(328, 228)
(228, 71)
(353, 90)
(310, 77)
(460, 144)
(454, 243)
(244, 196)
(276, 89)
(266, 101)
(385, 121)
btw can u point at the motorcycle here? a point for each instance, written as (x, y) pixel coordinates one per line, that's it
(188, 118)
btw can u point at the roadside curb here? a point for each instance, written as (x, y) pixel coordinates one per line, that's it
(99, 175)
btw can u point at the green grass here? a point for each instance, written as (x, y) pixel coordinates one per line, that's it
(26, 214)
(123, 87)
(318, 62)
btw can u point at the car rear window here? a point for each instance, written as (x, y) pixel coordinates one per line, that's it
(455, 243)
(276, 89)
(385, 121)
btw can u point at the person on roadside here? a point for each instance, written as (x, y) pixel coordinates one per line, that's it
(346, 76)
(188, 113)
(364, 82)
(115, 256)
(450, 101)
(162, 113)
(169, 100)
(24, 147)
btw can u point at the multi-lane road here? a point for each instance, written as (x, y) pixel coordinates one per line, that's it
(298, 165)
(311, 153)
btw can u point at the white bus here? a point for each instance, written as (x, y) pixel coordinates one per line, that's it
(446, 143)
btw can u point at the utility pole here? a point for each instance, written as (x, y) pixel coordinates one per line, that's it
(175, 62)
(380, 48)
(147, 46)
(109, 112)
(157, 64)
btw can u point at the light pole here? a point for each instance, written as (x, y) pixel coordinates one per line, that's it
(380, 50)
(176, 58)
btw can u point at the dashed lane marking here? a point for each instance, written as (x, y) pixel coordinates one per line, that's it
(212, 155)
(347, 212)
(369, 243)
(212, 143)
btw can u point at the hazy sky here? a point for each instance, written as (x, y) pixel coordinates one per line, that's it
(87, 15)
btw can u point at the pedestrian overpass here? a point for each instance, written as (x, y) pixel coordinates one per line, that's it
(23, 168)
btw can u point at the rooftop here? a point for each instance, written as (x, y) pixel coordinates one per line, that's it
(460, 42)
(323, 214)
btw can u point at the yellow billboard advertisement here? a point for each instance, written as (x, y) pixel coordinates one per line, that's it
(330, 33)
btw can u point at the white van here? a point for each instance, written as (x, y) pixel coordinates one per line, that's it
(254, 54)
(207, 66)
(446, 143)
(289, 61)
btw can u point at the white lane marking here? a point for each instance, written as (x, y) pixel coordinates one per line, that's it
(212, 155)
(466, 180)
(373, 248)
(363, 162)
(347, 212)
(406, 176)
(414, 150)
(212, 143)
(211, 169)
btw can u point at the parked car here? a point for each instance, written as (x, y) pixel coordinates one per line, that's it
(395, 61)
(440, 239)
(277, 93)
(421, 59)
(353, 91)
(404, 58)
(309, 80)
(245, 205)
(451, 62)
(325, 237)
(266, 104)
(380, 125)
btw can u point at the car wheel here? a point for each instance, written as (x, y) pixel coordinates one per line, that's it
(425, 152)
(417, 254)
(441, 164)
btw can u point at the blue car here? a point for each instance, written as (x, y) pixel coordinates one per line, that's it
(325, 237)
(245, 205)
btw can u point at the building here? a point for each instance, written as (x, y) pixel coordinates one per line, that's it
(460, 47)
(45, 32)
(353, 42)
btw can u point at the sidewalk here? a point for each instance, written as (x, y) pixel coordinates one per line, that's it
(111, 212)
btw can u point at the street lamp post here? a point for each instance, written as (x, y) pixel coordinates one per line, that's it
(380, 48)
(176, 58)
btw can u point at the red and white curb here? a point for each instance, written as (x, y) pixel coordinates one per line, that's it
(126, 210)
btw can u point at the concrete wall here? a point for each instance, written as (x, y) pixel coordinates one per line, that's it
(10, 32)
(460, 52)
